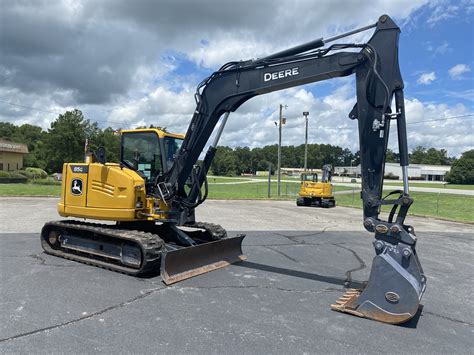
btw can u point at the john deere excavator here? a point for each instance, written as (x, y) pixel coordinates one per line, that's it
(152, 194)
(314, 192)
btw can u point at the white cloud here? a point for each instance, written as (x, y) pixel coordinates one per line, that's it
(152, 94)
(437, 125)
(458, 70)
(426, 78)
(442, 48)
(442, 10)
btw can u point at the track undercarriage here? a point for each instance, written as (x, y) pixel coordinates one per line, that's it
(140, 248)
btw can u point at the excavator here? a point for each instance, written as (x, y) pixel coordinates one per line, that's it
(149, 198)
(314, 193)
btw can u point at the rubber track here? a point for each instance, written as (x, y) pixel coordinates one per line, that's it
(216, 231)
(150, 244)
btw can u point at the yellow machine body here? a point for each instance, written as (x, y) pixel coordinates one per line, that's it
(314, 193)
(109, 191)
(316, 189)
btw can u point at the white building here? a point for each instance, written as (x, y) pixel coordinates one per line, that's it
(416, 171)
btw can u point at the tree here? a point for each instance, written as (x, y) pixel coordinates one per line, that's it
(417, 155)
(66, 138)
(462, 170)
(109, 140)
(244, 160)
(224, 162)
(433, 156)
(392, 157)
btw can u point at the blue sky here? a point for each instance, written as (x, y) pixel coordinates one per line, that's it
(126, 64)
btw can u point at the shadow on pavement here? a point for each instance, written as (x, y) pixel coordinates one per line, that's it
(305, 275)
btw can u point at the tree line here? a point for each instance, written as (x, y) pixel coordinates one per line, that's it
(64, 142)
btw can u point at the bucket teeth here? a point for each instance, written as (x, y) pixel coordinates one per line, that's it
(343, 301)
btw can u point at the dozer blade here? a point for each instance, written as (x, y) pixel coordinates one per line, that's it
(184, 263)
(394, 290)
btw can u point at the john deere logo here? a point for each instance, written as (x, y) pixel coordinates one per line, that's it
(76, 187)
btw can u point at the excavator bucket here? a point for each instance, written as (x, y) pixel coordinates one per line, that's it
(394, 290)
(184, 263)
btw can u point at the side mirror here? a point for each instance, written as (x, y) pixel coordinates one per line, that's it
(100, 155)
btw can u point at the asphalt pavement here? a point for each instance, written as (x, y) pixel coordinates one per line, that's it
(275, 302)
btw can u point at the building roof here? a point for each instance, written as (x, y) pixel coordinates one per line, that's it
(13, 147)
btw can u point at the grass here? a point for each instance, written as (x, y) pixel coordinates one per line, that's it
(220, 179)
(424, 184)
(448, 206)
(254, 190)
(432, 185)
(29, 190)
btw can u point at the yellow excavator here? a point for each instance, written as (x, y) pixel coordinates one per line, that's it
(314, 192)
(126, 193)
(147, 200)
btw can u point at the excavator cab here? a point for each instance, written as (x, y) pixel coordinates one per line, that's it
(309, 177)
(148, 153)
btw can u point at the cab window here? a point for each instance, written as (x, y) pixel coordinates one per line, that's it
(142, 151)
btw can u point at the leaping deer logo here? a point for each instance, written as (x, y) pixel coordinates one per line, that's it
(76, 187)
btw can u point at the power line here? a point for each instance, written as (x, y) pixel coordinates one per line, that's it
(442, 119)
(121, 123)
(57, 113)
(31, 108)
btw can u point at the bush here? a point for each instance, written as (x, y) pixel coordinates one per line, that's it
(10, 177)
(34, 173)
(416, 178)
(45, 182)
(462, 170)
(391, 176)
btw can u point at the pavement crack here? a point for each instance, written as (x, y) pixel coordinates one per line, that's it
(327, 289)
(282, 253)
(142, 295)
(283, 244)
(295, 238)
(449, 318)
(350, 271)
(43, 261)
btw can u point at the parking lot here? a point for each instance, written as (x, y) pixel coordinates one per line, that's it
(275, 302)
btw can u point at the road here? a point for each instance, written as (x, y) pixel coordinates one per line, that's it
(387, 186)
(416, 188)
(275, 302)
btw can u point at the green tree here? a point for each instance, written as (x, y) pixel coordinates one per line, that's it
(8, 130)
(417, 155)
(433, 156)
(109, 140)
(392, 157)
(32, 136)
(224, 162)
(462, 170)
(66, 138)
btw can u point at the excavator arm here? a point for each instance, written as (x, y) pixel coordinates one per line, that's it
(397, 282)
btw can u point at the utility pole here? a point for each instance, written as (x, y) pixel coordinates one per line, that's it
(306, 114)
(282, 121)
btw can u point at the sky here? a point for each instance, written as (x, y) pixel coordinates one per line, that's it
(133, 63)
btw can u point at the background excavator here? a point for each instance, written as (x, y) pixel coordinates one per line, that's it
(152, 194)
(314, 192)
